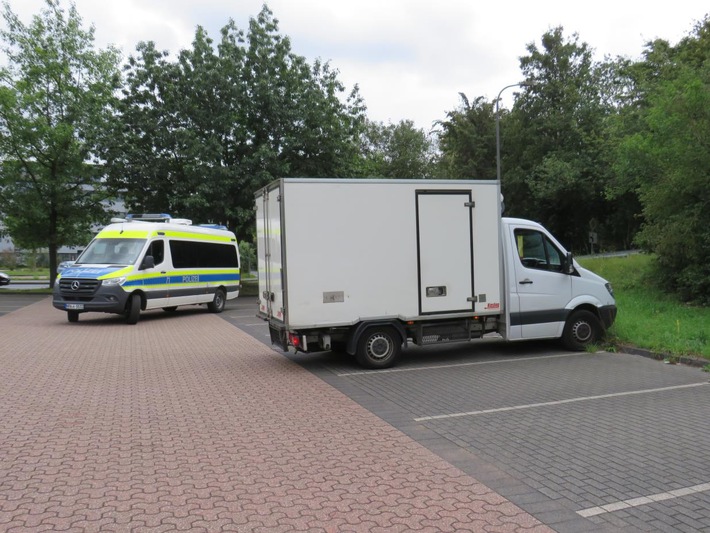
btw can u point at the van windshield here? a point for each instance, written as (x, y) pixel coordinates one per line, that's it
(111, 252)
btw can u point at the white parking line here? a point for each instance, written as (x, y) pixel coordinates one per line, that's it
(558, 402)
(454, 365)
(644, 500)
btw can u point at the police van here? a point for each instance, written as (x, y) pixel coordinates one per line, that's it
(151, 262)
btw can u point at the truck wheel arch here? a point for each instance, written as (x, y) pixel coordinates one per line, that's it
(359, 330)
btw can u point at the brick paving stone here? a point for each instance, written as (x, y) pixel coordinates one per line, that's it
(185, 423)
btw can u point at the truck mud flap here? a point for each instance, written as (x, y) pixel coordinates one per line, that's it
(278, 337)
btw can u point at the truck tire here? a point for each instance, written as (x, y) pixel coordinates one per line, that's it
(133, 310)
(217, 303)
(379, 347)
(73, 316)
(581, 330)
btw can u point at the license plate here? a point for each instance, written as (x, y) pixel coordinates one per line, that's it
(74, 306)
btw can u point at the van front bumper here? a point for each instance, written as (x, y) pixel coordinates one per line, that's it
(100, 299)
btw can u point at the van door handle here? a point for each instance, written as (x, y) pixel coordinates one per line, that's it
(526, 281)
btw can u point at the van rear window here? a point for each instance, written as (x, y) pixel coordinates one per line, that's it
(191, 254)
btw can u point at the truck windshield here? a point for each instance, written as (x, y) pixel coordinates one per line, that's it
(111, 252)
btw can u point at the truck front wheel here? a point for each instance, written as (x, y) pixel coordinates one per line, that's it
(379, 347)
(581, 330)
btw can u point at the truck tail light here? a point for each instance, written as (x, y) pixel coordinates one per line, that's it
(294, 340)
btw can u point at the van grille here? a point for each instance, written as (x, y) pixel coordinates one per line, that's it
(78, 287)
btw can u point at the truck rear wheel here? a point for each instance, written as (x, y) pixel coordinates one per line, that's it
(581, 330)
(379, 347)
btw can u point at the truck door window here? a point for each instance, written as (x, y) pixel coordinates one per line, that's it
(537, 251)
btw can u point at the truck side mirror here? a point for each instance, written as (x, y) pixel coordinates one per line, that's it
(148, 262)
(569, 264)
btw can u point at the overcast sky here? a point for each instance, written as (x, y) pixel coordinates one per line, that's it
(410, 58)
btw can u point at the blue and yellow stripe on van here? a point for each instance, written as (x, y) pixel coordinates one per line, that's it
(184, 278)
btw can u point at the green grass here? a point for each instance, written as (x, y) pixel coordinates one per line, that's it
(648, 317)
(26, 273)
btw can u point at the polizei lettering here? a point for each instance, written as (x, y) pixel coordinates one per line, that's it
(191, 279)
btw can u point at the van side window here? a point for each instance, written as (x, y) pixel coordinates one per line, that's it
(157, 250)
(537, 251)
(191, 254)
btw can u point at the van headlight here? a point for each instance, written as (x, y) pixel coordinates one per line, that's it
(110, 282)
(610, 289)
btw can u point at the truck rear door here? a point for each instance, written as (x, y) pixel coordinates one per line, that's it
(269, 252)
(445, 251)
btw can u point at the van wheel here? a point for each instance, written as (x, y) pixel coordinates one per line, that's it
(217, 304)
(73, 316)
(133, 311)
(581, 330)
(379, 347)
(170, 309)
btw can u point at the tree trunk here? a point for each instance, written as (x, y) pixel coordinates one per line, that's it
(53, 245)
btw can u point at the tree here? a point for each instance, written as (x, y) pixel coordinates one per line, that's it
(555, 140)
(199, 135)
(468, 141)
(395, 151)
(667, 160)
(56, 96)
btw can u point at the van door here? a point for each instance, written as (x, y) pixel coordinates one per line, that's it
(543, 289)
(156, 283)
(445, 251)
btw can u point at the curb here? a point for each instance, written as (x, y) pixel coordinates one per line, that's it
(682, 359)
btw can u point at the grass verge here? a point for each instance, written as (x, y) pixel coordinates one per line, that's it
(649, 318)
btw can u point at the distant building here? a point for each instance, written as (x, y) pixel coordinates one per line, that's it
(64, 253)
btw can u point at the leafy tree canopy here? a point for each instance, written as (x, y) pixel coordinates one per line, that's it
(197, 136)
(56, 95)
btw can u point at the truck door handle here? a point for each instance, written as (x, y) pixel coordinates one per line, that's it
(526, 281)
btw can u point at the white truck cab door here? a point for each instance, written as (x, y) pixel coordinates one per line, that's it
(538, 284)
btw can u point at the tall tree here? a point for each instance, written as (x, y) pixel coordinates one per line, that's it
(221, 121)
(668, 158)
(56, 95)
(467, 141)
(395, 151)
(554, 154)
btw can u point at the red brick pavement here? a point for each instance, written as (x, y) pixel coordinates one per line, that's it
(185, 423)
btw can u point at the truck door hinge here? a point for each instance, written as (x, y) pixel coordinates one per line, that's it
(470, 204)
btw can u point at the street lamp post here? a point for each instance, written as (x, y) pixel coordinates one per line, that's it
(521, 84)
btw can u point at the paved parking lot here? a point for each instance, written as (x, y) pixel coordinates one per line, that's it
(584, 442)
(185, 422)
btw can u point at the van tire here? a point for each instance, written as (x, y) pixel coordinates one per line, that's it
(133, 310)
(73, 316)
(217, 303)
(581, 330)
(379, 347)
(170, 309)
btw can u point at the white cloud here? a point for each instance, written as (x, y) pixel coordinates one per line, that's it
(410, 58)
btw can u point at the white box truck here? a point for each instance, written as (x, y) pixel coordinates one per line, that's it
(368, 266)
